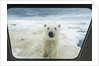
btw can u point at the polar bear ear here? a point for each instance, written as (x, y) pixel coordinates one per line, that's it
(45, 25)
(59, 25)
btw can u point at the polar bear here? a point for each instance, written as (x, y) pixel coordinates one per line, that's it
(51, 40)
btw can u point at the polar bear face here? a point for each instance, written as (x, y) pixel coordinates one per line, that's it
(51, 31)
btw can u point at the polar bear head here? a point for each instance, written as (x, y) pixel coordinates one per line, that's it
(51, 31)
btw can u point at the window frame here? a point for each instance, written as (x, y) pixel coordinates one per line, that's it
(10, 56)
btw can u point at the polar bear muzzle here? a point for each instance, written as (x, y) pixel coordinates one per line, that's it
(51, 34)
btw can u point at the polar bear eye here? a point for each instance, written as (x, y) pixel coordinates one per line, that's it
(55, 28)
(48, 28)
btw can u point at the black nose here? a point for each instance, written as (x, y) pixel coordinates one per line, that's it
(51, 34)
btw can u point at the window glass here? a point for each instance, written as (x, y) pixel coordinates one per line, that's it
(31, 28)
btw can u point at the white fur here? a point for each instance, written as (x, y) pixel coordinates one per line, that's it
(50, 45)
